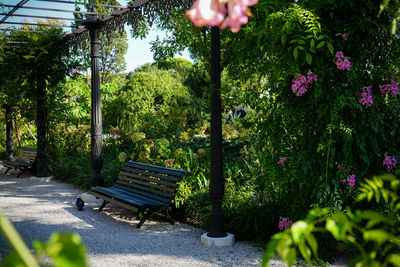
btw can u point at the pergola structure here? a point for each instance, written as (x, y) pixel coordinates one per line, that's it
(24, 11)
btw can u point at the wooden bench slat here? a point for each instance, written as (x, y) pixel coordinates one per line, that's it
(146, 189)
(146, 182)
(130, 189)
(150, 185)
(148, 178)
(155, 174)
(149, 167)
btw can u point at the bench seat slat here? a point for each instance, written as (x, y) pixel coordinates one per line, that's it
(121, 196)
(136, 196)
(155, 174)
(149, 167)
(148, 183)
(17, 163)
(147, 189)
(130, 189)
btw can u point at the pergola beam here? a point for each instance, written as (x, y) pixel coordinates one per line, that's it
(79, 3)
(38, 17)
(38, 24)
(31, 31)
(53, 9)
(19, 5)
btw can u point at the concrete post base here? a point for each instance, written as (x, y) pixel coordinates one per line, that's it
(226, 241)
(41, 179)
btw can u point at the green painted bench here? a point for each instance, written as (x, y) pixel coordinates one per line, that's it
(142, 188)
(24, 161)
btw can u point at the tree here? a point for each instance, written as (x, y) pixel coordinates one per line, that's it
(113, 46)
(152, 102)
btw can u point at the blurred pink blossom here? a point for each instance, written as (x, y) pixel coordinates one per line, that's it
(207, 12)
(221, 13)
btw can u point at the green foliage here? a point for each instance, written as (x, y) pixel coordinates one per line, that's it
(158, 111)
(374, 234)
(63, 249)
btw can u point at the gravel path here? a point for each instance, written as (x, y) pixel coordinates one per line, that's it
(39, 208)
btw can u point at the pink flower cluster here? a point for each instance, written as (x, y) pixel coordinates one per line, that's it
(284, 223)
(392, 88)
(300, 85)
(221, 13)
(342, 62)
(282, 160)
(351, 180)
(264, 198)
(366, 97)
(390, 163)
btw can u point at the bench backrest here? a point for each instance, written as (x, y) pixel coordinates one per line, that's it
(27, 153)
(155, 182)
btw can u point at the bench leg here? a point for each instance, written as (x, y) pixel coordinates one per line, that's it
(20, 172)
(169, 218)
(146, 215)
(8, 169)
(103, 205)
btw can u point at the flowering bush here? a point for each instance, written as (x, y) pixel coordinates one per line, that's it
(220, 13)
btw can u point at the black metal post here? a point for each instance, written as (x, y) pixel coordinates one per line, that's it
(9, 133)
(94, 24)
(41, 125)
(217, 181)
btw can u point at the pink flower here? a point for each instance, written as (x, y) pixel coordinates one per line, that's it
(339, 166)
(300, 85)
(207, 13)
(352, 180)
(339, 54)
(266, 198)
(366, 97)
(392, 88)
(390, 163)
(342, 62)
(284, 223)
(344, 36)
(344, 181)
(281, 161)
(256, 197)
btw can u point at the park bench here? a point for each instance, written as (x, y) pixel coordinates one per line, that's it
(142, 188)
(24, 161)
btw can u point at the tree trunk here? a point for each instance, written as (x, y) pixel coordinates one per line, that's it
(17, 131)
(9, 133)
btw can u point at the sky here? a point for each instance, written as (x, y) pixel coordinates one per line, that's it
(138, 50)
